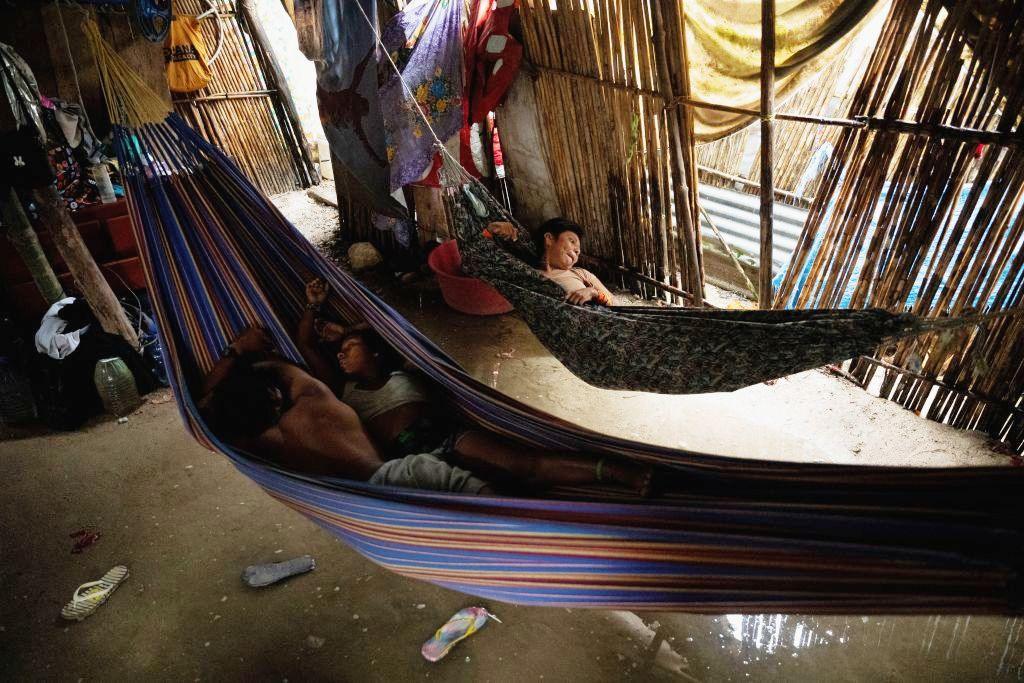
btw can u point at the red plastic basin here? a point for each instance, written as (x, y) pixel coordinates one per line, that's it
(465, 294)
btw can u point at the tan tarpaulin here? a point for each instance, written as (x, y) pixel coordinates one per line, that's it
(723, 41)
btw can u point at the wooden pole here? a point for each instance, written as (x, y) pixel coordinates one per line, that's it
(82, 266)
(679, 162)
(728, 250)
(858, 121)
(224, 96)
(764, 298)
(646, 279)
(26, 242)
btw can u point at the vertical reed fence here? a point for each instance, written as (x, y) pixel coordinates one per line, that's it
(616, 165)
(241, 110)
(933, 217)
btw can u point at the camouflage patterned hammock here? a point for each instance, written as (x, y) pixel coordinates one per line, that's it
(667, 350)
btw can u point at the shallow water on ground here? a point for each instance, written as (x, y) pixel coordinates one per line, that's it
(736, 647)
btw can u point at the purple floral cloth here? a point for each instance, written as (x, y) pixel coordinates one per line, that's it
(425, 41)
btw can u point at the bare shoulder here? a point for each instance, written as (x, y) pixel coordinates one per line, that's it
(297, 381)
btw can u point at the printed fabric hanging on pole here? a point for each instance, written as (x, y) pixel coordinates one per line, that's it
(188, 67)
(425, 42)
(344, 49)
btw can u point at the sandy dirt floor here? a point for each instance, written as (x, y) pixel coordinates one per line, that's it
(187, 523)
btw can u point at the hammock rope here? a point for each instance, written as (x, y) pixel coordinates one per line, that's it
(736, 535)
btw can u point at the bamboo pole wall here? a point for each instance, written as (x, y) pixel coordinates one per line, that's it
(608, 135)
(726, 156)
(884, 221)
(240, 110)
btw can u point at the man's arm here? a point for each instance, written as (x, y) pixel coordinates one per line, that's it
(594, 291)
(252, 340)
(308, 339)
(295, 382)
(501, 229)
(604, 296)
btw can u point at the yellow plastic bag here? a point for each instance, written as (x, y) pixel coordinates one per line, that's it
(188, 67)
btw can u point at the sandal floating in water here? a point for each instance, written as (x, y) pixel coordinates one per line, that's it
(462, 624)
(89, 596)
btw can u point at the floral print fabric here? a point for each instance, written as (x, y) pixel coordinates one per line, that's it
(425, 42)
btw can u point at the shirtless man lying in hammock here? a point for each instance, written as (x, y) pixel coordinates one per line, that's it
(277, 410)
(559, 253)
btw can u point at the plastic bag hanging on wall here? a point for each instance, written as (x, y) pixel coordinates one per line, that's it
(188, 61)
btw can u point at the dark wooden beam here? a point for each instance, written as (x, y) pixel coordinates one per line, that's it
(83, 268)
(764, 284)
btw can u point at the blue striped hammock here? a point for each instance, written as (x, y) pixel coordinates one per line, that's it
(738, 535)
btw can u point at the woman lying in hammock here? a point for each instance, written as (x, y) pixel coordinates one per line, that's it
(405, 421)
(560, 241)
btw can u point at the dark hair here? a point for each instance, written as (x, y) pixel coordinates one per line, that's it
(556, 226)
(242, 405)
(388, 358)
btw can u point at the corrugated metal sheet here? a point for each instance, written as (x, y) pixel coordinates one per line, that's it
(737, 216)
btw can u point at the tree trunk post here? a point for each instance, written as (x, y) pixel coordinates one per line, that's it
(83, 267)
(26, 242)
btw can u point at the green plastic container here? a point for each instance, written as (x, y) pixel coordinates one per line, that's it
(116, 386)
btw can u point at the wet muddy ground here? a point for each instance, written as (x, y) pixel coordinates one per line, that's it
(187, 523)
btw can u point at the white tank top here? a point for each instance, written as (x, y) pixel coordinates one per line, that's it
(400, 389)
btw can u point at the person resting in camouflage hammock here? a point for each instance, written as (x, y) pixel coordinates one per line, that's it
(560, 250)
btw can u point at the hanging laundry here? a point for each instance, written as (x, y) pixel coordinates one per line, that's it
(493, 56)
(71, 149)
(425, 42)
(350, 108)
(23, 161)
(73, 126)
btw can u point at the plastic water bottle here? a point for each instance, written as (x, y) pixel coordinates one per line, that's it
(101, 176)
(116, 386)
(16, 403)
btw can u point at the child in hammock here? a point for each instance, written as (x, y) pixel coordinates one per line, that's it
(402, 417)
(560, 250)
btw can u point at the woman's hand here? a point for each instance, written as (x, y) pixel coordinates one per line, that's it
(503, 229)
(316, 292)
(582, 296)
